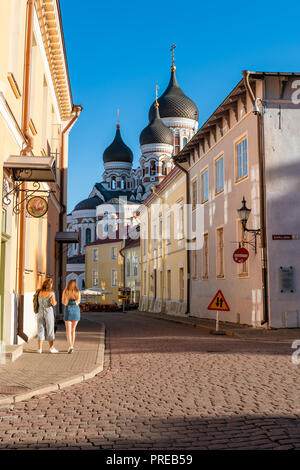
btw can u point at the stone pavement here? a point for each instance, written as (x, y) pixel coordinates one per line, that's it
(33, 374)
(231, 329)
(168, 386)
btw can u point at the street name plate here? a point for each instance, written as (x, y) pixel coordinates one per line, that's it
(285, 237)
(286, 279)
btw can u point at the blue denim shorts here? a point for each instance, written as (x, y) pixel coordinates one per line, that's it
(72, 311)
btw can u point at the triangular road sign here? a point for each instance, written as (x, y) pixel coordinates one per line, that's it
(219, 303)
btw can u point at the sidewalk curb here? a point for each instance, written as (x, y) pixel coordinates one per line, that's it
(194, 325)
(54, 387)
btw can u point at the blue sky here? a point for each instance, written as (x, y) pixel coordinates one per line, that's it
(119, 50)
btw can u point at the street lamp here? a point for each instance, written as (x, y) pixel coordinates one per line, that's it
(244, 213)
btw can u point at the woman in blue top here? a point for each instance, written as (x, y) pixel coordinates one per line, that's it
(71, 299)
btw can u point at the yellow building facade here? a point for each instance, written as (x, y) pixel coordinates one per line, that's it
(36, 116)
(104, 269)
(131, 271)
(163, 247)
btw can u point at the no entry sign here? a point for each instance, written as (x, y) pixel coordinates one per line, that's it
(240, 255)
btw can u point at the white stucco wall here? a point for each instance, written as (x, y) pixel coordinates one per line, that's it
(282, 160)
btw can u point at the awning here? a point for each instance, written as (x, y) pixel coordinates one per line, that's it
(67, 237)
(28, 168)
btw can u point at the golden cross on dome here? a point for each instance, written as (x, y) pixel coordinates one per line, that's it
(173, 56)
(156, 96)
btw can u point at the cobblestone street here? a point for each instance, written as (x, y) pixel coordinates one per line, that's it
(168, 386)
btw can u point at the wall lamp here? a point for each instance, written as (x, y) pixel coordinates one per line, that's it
(244, 213)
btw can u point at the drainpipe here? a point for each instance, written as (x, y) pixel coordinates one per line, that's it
(76, 110)
(153, 189)
(188, 264)
(27, 150)
(262, 200)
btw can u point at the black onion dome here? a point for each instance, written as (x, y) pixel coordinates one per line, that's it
(174, 103)
(118, 150)
(89, 203)
(156, 132)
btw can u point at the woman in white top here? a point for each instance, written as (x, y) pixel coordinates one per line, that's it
(45, 316)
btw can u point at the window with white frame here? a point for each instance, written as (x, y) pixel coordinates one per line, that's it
(194, 255)
(220, 252)
(154, 239)
(169, 284)
(114, 252)
(135, 265)
(204, 186)
(145, 282)
(205, 256)
(168, 229)
(181, 284)
(194, 194)
(114, 278)
(95, 278)
(219, 175)
(128, 267)
(88, 236)
(184, 141)
(160, 231)
(180, 221)
(95, 254)
(241, 157)
(176, 144)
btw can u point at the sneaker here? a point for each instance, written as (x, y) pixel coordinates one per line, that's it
(39, 351)
(53, 350)
(70, 350)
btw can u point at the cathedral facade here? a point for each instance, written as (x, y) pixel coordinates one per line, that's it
(173, 120)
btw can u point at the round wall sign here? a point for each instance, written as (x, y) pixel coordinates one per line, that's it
(37, 206)
(240, 255)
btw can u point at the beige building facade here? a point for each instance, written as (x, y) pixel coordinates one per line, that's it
(104, 269)
(36, 116)
(163, 247)
(248, 148)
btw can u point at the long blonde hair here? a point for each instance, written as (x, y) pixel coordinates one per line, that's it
(71, 291)
(47, 284)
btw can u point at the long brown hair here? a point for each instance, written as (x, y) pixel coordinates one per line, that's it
(47, 284)
(71, 290)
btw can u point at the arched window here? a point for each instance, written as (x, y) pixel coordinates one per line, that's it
(184, 141)
(123, 182)
(164, 168)
(152, 167)
(88, 236)
(113, 183)
(176, 144)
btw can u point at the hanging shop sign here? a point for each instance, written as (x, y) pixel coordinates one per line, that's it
(240, 255)
(37, 206)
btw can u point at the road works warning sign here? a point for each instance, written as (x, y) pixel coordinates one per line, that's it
(219, 303)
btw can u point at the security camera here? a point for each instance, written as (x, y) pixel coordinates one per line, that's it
(256, 109)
